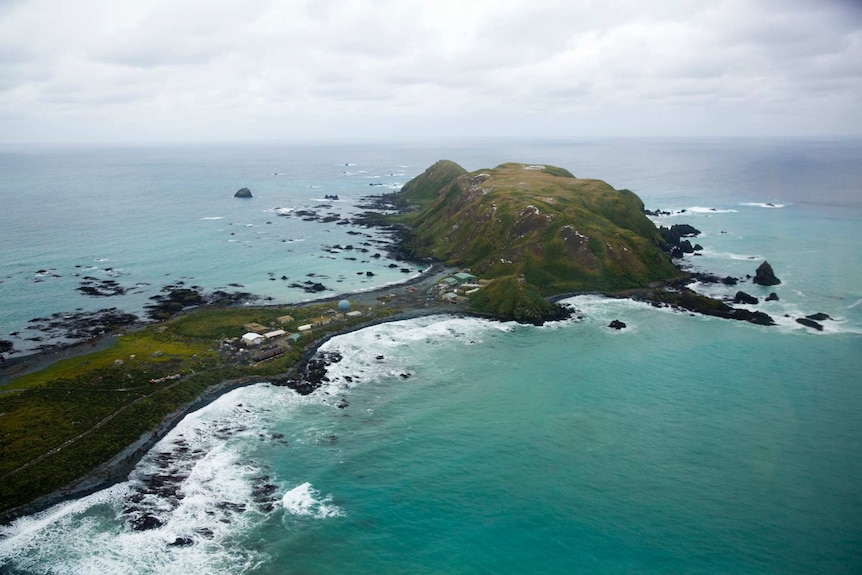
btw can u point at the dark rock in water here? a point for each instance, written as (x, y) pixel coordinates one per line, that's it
(772, 297)
(820, 316)
(729, 281)
(617, 324)
(242, 193)
(686, 247)
(755, 317)
(809, 323)
(331, 196)
(656, 213)
(698, 248)
(145, 523)
(676, 232)
(742, 297)
(765, 276)
(313, 374)
(182, 542)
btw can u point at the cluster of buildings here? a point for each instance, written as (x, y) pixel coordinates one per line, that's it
(260, 342)
(458, 285)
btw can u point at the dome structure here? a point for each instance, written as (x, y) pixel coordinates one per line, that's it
(344, 305)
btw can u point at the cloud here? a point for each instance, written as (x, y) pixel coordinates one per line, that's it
(349, 68)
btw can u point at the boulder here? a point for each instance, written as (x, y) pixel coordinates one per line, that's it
(617, 324)
(242, 193)
(772, 297)
(809, 323)
(765, 276)
(742, 297)
(820, 316)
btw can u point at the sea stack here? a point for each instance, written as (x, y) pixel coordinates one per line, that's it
(242, 193)
(764, 275)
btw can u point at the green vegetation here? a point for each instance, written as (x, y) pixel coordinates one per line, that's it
(58, 424)
(540, 223)
(507, 298)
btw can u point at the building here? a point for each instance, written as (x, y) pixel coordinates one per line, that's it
(463, 277)
(256, 328)
(252, 338)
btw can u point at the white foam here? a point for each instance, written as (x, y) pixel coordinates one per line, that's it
(215, 477)
(768, 205)
(305, 501)
(388, 350)
(693, 210)
(213, 218)
(703, 210)
(710, 253)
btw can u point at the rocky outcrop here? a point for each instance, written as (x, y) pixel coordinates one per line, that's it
(742, 297)
(689, 300)
(772, 296)
(242, 193)
(808, 322)
(617, 324)
(765, 276)
(674, 234)
(674, 243)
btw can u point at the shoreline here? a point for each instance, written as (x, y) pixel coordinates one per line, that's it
(117, 469)
(412, 303)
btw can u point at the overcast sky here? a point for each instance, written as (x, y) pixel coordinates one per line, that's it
(195, 70)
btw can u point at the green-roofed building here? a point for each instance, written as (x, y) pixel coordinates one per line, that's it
(464, 277)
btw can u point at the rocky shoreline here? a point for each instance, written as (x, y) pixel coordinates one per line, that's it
(310, 371)
(304, 377)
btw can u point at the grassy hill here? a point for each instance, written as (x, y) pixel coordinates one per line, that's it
(555, 232)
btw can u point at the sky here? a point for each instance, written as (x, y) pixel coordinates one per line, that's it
(125, 71)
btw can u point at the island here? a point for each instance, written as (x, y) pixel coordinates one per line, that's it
(505, 243)
(533, 231)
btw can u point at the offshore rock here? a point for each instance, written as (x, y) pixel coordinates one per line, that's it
(772, 296)
(617, 324)
(765, 276)
(807, 322)
(242, 193)
(742, 297)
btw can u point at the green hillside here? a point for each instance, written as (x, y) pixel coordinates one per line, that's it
(556, 232)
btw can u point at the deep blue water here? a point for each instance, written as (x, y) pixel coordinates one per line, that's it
(681, 444)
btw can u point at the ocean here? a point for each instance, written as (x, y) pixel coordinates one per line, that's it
(680, 444)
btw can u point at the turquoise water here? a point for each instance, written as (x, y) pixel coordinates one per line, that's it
(681, 444)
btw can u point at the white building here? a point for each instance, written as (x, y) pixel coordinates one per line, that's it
(252, 338)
